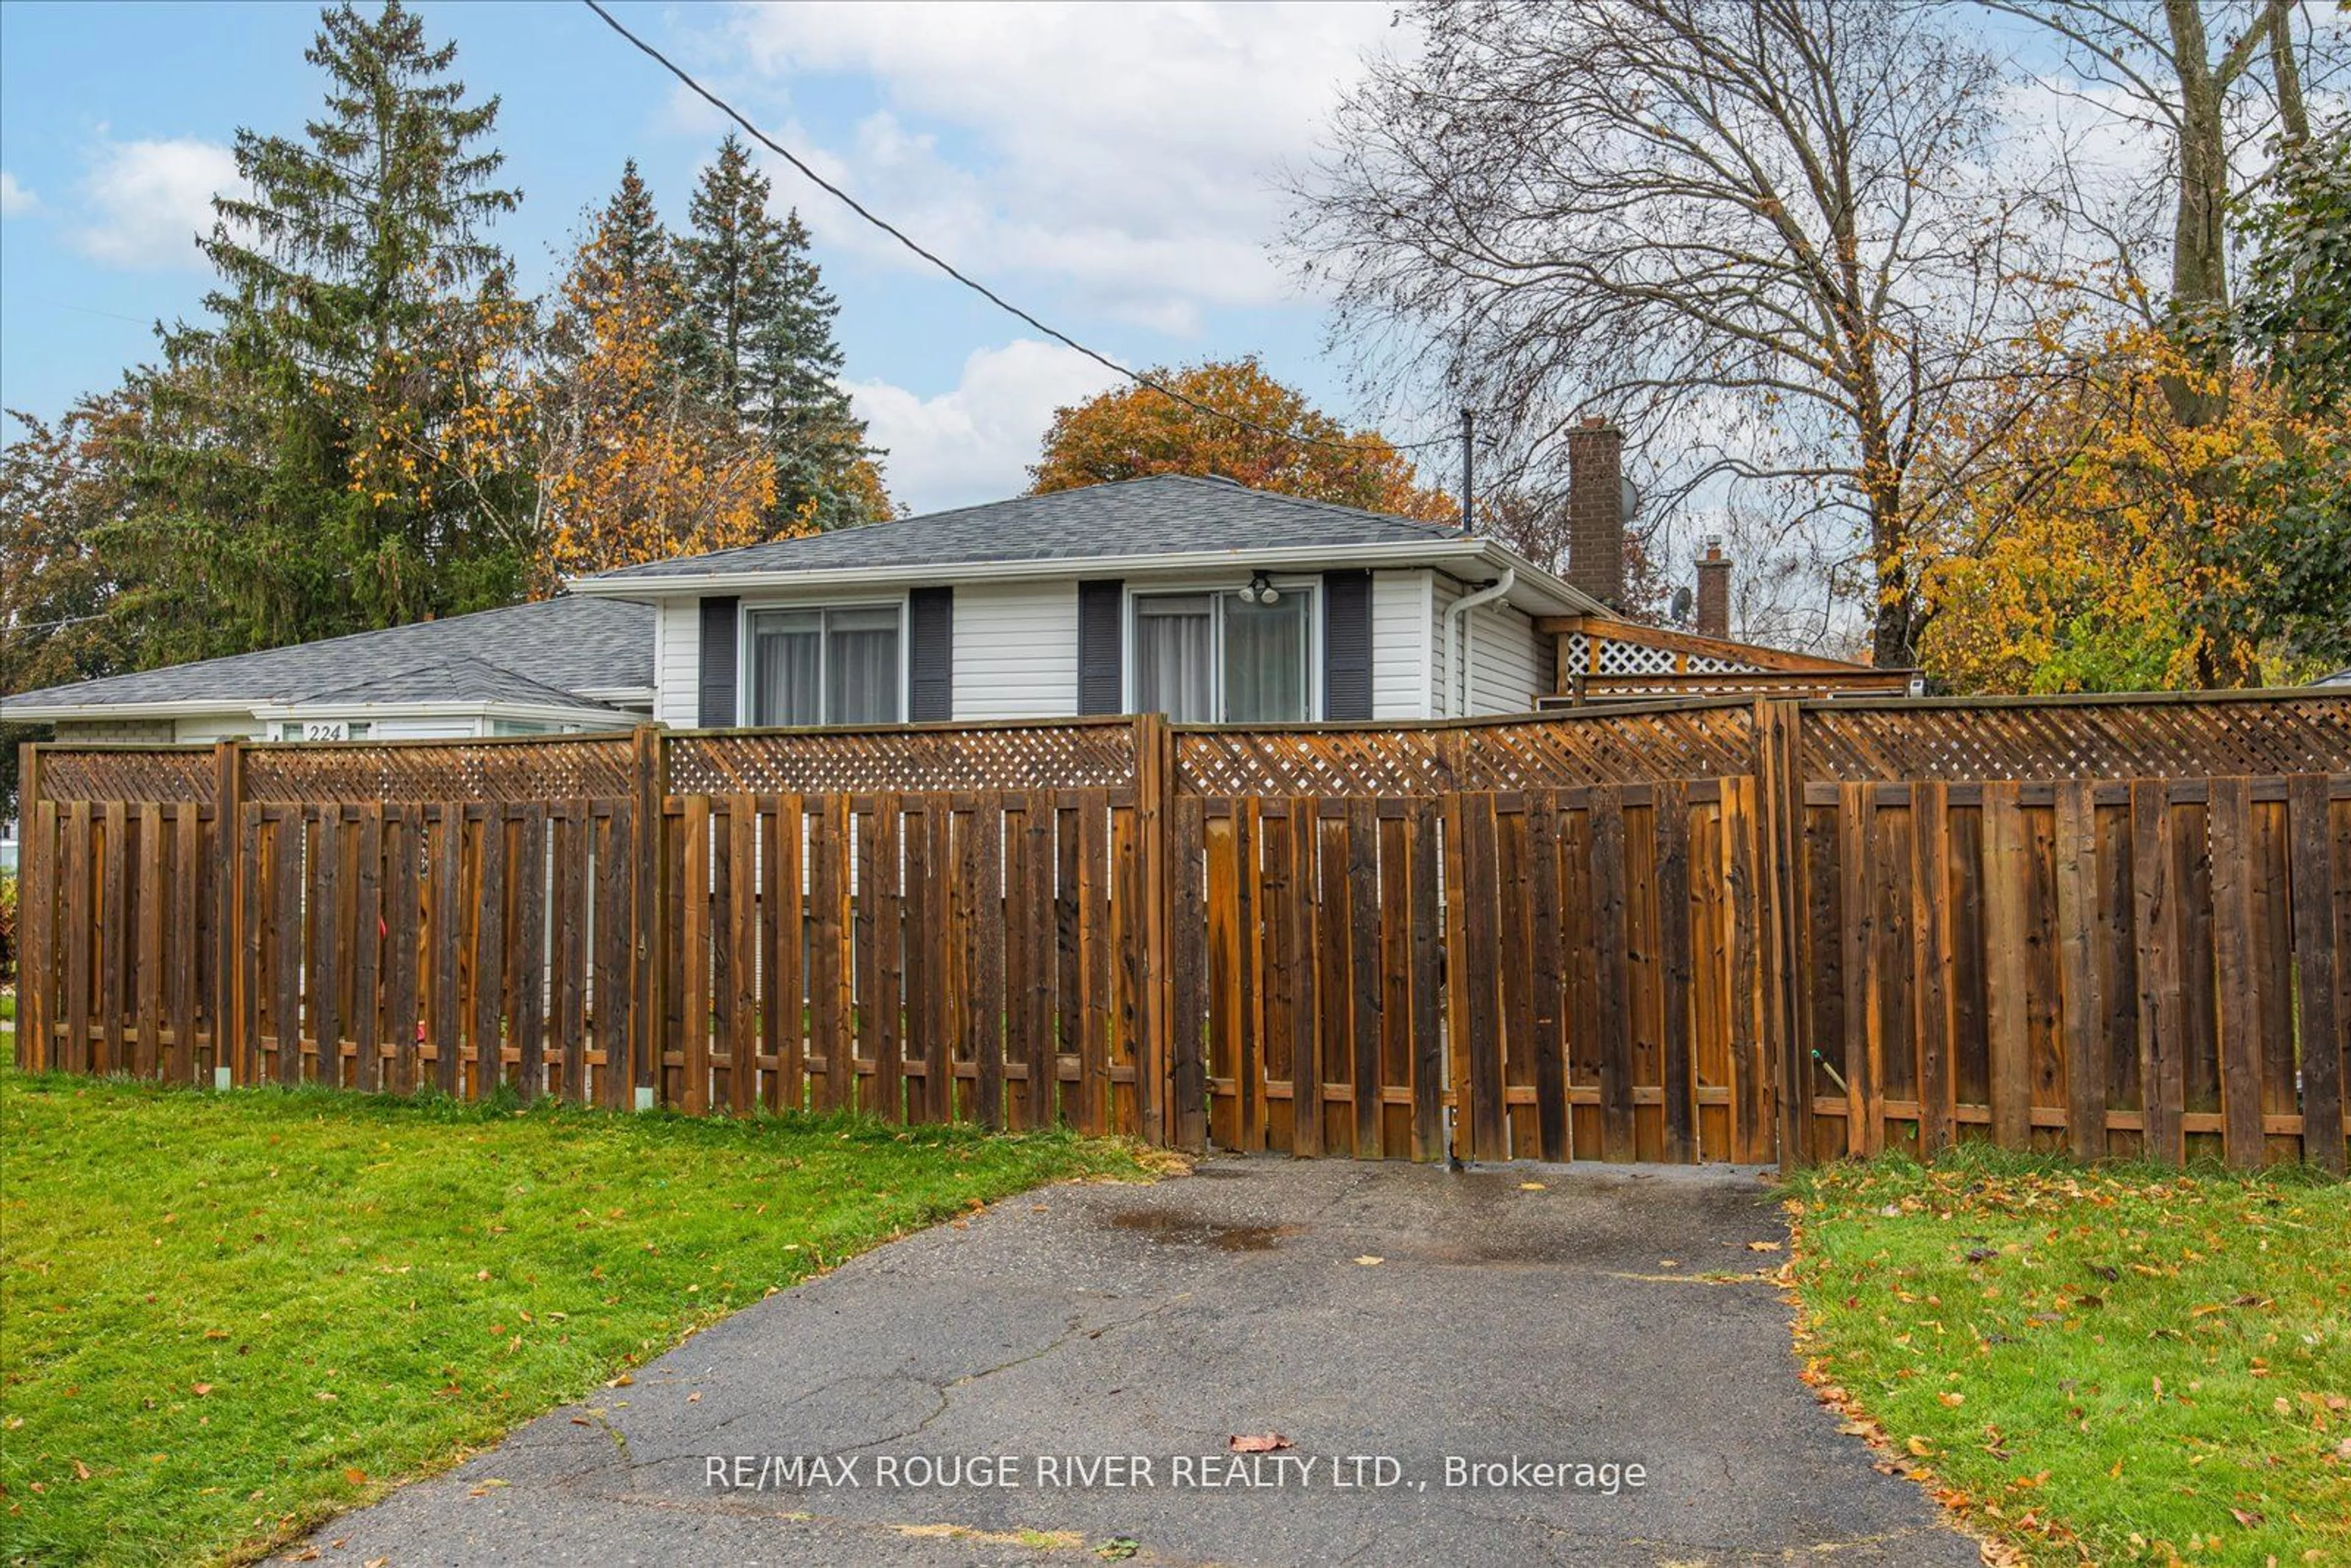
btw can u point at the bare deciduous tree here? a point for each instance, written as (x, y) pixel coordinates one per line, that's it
(1761, 236)
(2218, 81)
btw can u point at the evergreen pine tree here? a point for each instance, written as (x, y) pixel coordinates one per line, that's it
(336, 448)
(766, 345)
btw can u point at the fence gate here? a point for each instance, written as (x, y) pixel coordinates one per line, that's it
(1568, 974)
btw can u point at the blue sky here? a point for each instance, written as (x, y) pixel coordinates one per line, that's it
(1111, 168)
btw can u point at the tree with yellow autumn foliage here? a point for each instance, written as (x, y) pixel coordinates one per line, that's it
(636, 463)
(2096, 550)
(1135, 432)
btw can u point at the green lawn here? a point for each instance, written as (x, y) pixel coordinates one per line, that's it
(224, 1317)
(2121, 1366)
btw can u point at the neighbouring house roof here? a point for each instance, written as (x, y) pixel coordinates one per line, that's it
(2339, 678)
(1134, 523)
(462, 680)
(544, 654)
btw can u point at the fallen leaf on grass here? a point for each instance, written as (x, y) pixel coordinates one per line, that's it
(1920, 1447)
(200, 1389)
(2247, 1517)
(356, 1476)
(1259, 1443)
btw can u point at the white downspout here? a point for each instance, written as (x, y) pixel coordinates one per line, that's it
(1458, 643)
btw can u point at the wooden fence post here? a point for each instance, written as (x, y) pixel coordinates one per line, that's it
(231, 962)
(35, 918)
(1786, 1035)
(649, 755)
(1152, 821)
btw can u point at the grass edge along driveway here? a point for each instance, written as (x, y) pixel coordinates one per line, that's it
(228, 1317)
(2112, 1365)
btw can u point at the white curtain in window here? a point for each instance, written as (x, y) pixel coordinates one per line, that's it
(861, 666)
(1265, 660)
(1174, 657)
(786, 647)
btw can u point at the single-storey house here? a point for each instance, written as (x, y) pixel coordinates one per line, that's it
(565, 665)
(1198, 597)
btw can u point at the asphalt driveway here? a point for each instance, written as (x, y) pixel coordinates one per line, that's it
(1059, 1376)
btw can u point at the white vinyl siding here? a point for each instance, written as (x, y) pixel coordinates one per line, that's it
(219, 726)
(677, 661)
(1402, 640)
(1508, 669)
(1442, 593)
(1015, 650)
(1511, 663)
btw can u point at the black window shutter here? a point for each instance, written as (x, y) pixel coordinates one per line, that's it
(1347, 644)
(1100, 685)
(716, 708)
(930, 653)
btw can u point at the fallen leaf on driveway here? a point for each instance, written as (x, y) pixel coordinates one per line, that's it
(1367, 1260)
(1261, 1443)
(1532, 1187)
(1762, 1247)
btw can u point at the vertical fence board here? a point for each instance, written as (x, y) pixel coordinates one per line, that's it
(402, 850)
(2316, 962)
(1931, 961)
(1546, 1006)
(2156, 922)
(2006, 976)
(1427, 958)
(187, 932)
(1476, 970)
(1676, 968)
(988, 955)
(1615, 1049)
(2085, 1035)
(1370, 996)
(368, 934)
(2235, 968)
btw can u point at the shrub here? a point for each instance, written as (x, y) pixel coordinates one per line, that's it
(8, 928)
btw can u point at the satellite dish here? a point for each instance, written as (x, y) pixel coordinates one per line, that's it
(1682, 600)
(1630, 494)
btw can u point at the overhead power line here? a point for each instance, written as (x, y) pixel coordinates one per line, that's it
(983, 291)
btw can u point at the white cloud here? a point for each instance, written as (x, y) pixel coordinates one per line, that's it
(14, 198)
(976, 443)
(1130, 149)
(147, 201)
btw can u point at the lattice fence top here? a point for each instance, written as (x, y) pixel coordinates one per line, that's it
(521, 769)
(1082, 755)
(108, 773)
(2271, 733)
(1687, 742)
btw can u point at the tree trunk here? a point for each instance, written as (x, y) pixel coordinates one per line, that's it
(2199, 238)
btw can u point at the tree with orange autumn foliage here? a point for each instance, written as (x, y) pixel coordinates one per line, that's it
(2097, 551)
(636, 463)
(1135, 432)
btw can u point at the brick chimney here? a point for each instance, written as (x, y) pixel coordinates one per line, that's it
(1714, 592)
(1595, 511)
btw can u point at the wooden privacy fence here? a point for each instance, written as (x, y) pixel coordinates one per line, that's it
(1700, 930)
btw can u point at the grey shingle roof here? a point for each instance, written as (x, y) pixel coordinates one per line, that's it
(1166, 513)
(552, 648)
(455, 680)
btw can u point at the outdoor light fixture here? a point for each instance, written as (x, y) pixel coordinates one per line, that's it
(1260, 590)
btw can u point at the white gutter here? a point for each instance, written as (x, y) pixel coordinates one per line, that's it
(1392, 553)
(1458, 644)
